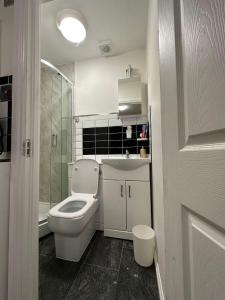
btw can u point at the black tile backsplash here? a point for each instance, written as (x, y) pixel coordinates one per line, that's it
(8, 2)
(113, 140)
(5, 114)
(102, 144)
(101, 137)
(101, 130)
(4, 80)
(88, 130)
(101, 151)
(6, 92)
(89, 137)
(88, 145)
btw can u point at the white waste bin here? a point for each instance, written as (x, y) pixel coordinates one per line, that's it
(144, 244)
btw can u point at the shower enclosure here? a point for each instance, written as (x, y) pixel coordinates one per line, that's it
(55, 140)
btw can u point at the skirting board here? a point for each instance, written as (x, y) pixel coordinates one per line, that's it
(43, 229)
(100, 226)
(159, 281)
(118, 234)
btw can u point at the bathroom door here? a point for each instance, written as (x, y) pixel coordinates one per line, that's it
(192, 68)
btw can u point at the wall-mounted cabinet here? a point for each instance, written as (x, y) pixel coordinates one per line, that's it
(132, 96)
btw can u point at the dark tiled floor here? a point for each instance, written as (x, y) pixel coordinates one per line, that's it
(106, 271)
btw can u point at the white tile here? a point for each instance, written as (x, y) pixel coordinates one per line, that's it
(78, 157)
(142, 120)
(89, 156)
(100, 157)
(88, 124)
(79, 152)
(78, 131)
(129, 121)
(116, 155)
(79, 138)
(115, 122)
(102, 123)
(78, 145)
(78, 124)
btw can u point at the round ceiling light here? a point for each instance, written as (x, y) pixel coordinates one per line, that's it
(72, 25)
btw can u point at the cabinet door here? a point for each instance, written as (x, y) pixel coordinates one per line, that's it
(138, 203)
(114, 205)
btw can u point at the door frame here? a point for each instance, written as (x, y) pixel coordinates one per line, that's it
(169, 94)
(24, 182)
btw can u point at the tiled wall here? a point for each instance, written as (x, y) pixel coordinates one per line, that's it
(5, 116)
(8, 2)
(105, 136)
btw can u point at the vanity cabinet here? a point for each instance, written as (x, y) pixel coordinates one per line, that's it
(126, 202)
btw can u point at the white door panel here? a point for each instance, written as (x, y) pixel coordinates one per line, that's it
(138, 204)
(204, 256)
(203, 64)
(192, 65)
(114, 205)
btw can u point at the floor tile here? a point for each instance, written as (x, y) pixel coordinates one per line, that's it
(44, 260)
(94, 283)
(128, 244)
(136, 282)
(106, 252)
(47, 245)
(56, 279)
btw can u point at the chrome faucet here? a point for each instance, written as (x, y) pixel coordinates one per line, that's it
(127, 154)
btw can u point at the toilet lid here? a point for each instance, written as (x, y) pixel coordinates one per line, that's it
(85, 176)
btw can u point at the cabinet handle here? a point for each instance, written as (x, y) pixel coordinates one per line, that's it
(54, 140)
(129, 191)
(121, 190)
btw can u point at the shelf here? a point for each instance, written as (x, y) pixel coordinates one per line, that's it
(142, 139)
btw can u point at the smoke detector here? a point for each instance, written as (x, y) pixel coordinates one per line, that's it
(105, 48)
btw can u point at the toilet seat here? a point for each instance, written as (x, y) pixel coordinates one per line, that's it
(57, 210)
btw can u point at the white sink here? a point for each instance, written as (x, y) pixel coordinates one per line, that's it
(126, 164)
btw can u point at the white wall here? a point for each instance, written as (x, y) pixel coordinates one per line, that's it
(4, 227)
(155, 103)
(96, 81)
(6, 40)
(6, 68)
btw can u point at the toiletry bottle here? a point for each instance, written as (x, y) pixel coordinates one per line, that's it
(143, 153)
(129, 132)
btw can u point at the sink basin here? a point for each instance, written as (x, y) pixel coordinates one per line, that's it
(126, 164)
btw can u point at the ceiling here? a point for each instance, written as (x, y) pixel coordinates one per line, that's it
(124, 22)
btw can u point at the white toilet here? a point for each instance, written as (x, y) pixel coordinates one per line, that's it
(73, 220)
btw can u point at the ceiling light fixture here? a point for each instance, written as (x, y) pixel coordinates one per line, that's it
(72, 25)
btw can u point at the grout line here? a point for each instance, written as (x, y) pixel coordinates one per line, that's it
(117, 279)
(101, 267)
(120, 263)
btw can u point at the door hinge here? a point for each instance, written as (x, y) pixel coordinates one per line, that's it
(27, 147)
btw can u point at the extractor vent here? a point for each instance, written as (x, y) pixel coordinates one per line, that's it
(105, 48)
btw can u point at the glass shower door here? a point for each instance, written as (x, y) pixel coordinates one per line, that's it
(56, 140)
(66, 134)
